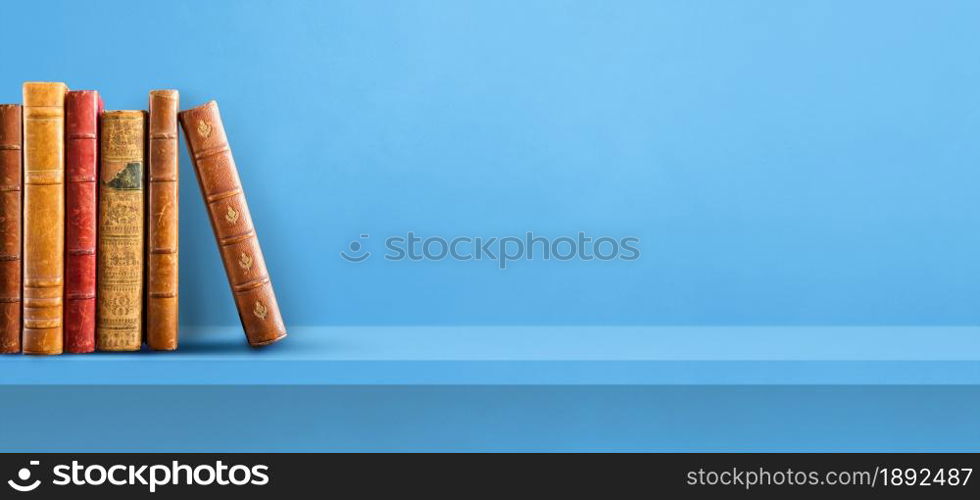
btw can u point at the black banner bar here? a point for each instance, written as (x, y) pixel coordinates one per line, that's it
(122, 475)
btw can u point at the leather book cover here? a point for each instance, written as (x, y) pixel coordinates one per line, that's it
(238, 244)
(10, 165)
(119, 317)
(162, 203)
(82, 109)
(44, 216)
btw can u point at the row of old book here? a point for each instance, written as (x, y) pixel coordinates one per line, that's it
(89, 223)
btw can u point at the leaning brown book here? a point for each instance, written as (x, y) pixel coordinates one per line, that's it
(238, 244)
(162, 218)
(119, 319)
(10, 165)
(44, 216)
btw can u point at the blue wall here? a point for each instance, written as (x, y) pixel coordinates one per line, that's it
(781, 162)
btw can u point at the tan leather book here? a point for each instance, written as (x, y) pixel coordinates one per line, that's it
(10, 180)
(238, 244)
(44, 216)
(119, 315)
(162, 234)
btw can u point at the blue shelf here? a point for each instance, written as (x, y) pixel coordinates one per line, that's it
(346, 356)
(500, 388)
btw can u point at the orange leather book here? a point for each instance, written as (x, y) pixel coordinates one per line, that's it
(119, 316)
(10, 165)
(44, 216)
(161, 260)
(218, 178)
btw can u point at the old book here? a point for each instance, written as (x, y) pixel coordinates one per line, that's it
(119, 323)
(161, 258)
(82, 109)
(10, 165)
(217, 176)
(44, 216)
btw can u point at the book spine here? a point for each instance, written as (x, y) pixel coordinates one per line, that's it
(10, 179)
(161, 298)
(231, 222)
(44, 216)
(120, 233)
(82, 108)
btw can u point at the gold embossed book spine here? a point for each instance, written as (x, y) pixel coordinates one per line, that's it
(119, 316)
(161, 259)
(231, 221)
(10, 180)
(44, 216)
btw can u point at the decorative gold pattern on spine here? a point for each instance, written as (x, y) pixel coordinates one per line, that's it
(120, 254)
(245, 261)
(204, 128)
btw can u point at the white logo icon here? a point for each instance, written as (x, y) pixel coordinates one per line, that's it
(24, 474)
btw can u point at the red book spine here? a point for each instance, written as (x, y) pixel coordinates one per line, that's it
(82, 110)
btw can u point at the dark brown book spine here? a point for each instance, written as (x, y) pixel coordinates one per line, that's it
(161, 259)
(10, 203)
(218, 178)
